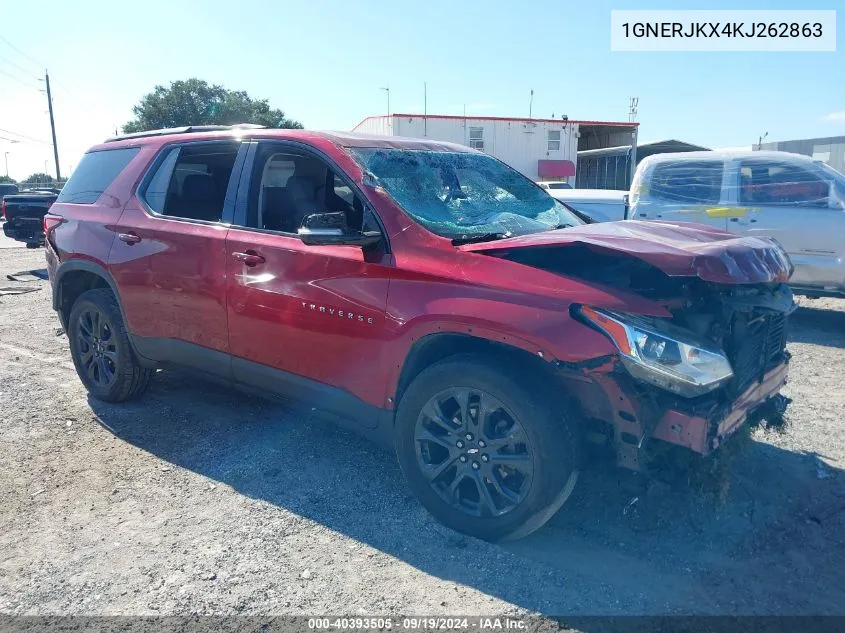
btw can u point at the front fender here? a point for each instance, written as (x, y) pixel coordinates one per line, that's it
(551, 335)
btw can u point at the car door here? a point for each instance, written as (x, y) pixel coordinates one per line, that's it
(306, 321)
(684, 190)
(169, 261)
(792, 202)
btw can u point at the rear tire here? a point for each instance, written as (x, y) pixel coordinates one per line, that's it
(102, 354)
(488, 454)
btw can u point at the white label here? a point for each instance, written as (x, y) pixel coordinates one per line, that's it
(708, 30)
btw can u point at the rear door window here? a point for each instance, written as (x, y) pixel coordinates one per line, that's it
(190, 181)
(692, 182)
(771, 183)
(94, 174)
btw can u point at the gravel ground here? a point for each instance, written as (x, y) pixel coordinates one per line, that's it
(197, 499)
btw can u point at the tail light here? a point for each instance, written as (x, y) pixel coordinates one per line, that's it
(3, 208)
(50, 222)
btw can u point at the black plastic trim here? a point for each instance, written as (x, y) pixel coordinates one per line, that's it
(337, 405)
(184, 354)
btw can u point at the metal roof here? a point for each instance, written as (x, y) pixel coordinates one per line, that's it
(651, 147)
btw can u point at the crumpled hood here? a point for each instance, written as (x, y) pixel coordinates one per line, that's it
(678, 249)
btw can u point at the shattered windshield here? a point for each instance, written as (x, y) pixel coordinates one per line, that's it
(463, 195)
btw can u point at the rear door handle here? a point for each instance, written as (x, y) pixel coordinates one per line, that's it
(129, 238)
(250, 258)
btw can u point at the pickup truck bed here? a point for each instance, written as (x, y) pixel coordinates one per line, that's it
(24, 215)
(599, 205)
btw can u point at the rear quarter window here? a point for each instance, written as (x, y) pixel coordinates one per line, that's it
(692, 182)
(94, 174)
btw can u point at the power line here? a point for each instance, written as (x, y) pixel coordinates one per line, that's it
(30, 138)
(20, 81)
(20, 68)
(12, 46)
(20, 142)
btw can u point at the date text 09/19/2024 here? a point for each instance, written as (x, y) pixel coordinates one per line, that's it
(419, 623)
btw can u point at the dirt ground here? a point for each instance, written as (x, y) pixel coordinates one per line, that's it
(197, 499)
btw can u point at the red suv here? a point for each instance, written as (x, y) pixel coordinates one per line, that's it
(423, 293)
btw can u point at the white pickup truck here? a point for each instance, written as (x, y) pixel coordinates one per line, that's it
(796, 200)
(599, 205)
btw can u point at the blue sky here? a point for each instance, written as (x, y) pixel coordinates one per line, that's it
(323, 62)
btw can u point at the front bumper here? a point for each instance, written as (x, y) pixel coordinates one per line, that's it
(704, 433)
(637, 414)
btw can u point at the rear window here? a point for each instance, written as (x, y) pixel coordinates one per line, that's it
(688, 182)
(94, 174)
(8, 190)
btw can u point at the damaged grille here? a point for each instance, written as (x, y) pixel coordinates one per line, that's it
(757, 345)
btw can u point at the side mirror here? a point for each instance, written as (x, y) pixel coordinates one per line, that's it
(330, 229)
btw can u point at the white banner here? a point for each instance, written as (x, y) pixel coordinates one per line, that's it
(712, 30)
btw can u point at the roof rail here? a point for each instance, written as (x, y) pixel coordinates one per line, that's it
(185, 130)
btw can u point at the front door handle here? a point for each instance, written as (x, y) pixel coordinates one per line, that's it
(250, 258)
(129, 238)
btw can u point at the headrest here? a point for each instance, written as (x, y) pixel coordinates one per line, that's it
(198, 187)
(302, 188)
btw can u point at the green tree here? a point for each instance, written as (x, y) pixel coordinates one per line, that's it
(5, 180)
(195, 102)
(39, 178)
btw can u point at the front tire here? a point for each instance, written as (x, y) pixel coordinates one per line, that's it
(102, 354)
(487, 454)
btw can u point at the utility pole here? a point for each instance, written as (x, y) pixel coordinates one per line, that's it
(531, 103)
(7, 164)
(52, 126)
(387, 90)
(760, 142)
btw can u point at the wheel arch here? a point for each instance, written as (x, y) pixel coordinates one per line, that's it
(75, 277)
(72, 279)
(435, 347)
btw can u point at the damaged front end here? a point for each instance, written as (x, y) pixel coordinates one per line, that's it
(694, 378)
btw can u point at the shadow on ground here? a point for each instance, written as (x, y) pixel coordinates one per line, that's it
(617, 546)
(819, 326)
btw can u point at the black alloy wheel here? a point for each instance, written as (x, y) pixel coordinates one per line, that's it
(474, 452)
(101, 350)
(99, 355)
(487, 445)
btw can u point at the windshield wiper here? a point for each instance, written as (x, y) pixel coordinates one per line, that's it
(480, 237)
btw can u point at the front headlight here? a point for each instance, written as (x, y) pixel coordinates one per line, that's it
(663, 354)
